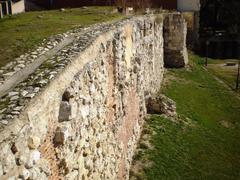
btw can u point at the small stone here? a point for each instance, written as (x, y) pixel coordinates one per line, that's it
(40, 16)
(21, 65)
(34, 56)
(37, 89)
(9, 74)
(17, 69)
(31, 95)
(34, 142)
(21, 62)
(14, 98)
(85, 111)
(35, 172)
(92, 89)
(18, 108)
(64, 111)
(4, 122)
(24, 174)
(43, 82)
(1, 170)
(51, 76)
(3, 110)
(67, 95)
(21, 159)
(34, 157)
(11, 178)
(44, 167)
(9, 117)
(24, 93)
(61, 136)
(15, 113)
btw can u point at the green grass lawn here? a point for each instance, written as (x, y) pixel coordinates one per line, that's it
(228, 74)
(20, 33)
(204, 143)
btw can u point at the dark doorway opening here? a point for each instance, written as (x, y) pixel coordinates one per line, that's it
(220, 29)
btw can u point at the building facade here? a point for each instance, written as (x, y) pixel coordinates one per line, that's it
(11, 7)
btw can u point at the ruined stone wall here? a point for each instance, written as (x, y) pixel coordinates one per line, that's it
(175, 33)
(79, 115)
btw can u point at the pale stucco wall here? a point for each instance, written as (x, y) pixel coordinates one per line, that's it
(18, 7)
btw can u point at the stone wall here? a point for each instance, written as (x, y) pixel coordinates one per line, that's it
(175, 33)
(79, 115)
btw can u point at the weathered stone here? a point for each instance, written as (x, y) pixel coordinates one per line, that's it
(1, 170)
(109, 71)
(175, 32)
(18, 108)
(67, 95)
(61, 136)
(44, 167)
(162, 105)
(34, 142)
(24, 93)
(30, 95)
(64, 111)
(5, 122)
(72, 175)
(21, 159)
(33, 158)
(12, 94)
(13, 98)
(24, 174)
(15, 112)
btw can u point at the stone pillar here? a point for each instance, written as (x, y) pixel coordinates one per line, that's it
(175, 33)
(1, 13)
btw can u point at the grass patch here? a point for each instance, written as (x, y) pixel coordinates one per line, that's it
(199, 145)
(228, 74)
(20, 33)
